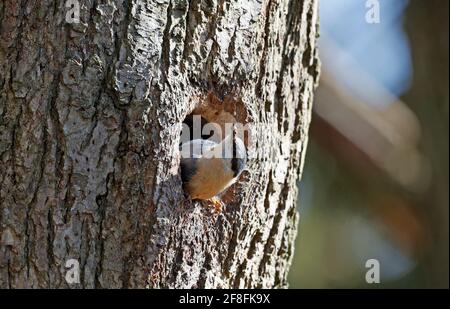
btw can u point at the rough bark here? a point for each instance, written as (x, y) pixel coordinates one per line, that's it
(90, 121)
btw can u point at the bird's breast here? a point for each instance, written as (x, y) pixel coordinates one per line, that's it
(210, 179)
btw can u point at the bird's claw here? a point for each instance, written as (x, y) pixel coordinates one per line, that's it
(217, 204)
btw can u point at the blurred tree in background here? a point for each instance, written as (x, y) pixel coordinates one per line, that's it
(427, 26)
(375, 183)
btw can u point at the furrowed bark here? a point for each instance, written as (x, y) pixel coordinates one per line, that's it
(90, 122)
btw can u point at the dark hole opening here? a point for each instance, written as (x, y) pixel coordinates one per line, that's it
(192, 129)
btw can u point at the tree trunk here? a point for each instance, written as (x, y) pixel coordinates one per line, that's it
(90, 122)
(429, 99)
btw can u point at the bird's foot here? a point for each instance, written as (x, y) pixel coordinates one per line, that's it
(217, 204)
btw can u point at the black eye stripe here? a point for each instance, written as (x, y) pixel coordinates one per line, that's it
(234, 166)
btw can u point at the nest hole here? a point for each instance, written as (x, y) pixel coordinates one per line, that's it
(214, 119)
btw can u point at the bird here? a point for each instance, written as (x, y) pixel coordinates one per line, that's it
(208, 168)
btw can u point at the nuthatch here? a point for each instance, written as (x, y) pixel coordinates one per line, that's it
(208, 168)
